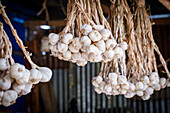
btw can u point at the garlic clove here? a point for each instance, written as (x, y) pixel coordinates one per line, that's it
(53, 38)
(100, 45)
(62, 47)
(9, 97)
(35, 76)
(18, 88)
(25, 77)
(86, 29)
(67, 38)
(46, 74)
(95, 36)
(3, 64)
(17, 71)
(111, 43)
(5, 81)
(67, 55)
(85, 40)
(123, 45)
(73, 49)
(105, 33)
(76, 43)
(27, 89)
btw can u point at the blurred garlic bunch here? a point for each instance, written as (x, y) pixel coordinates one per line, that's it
(95, 45)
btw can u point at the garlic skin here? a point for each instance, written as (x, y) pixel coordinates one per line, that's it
(162, 82)
(139, 93)
(46, 74)
(84, 49)
(129, 94)
(113, 76)
(25, 78)
(9, 97)
(76, 56)
(115, 92)
(122, 91)
(94, 58)
(73, 49)
(156, 87)
(118, 52)
(53, 48)
(145, 86)
(5, 82)
(95, 84)
(107, 88)
(105, 33)
(93, 49)
(132, 86)
(123, 45)
(84, 55)
(95, 36)
(67, 55)
(53, 38)
(102, 85)
(18, 88)
(125, 86)
(145, 97)
(27, 89)
(86, 29)
(85, 40)
(139, 85)
(35, 76)
(145, 79)
(111, 43)
(99, 27)
(109, 54)
(98, 91)
(99, 79)
(81, 62)
(76, 43)
(100, 45)
(122, 79)
(16, 71)
(1, 95)
(149, 90)
(62, 47)
(67, 38)
(3, 64)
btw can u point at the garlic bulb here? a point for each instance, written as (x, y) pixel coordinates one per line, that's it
(27, 89)
(99, 79)
(35, 76)
(76, 43)
(109, 54)
(102, 85)
(53, 48)
(17, 70)
(154, 74)
(139, 85)
(5, 82)
(93, 49)
(85, 40)
(156, 87)
(129, 94)
(98, 91)
(125, 86)
(118, 52)
(145, 97)
(84, 49)
(53, 38)
(145, 86)
(9, 97)
(122, 79)
(122, 91)
(3, 64)
(168, 82)
(123, 45)
(149, 90)
(162, 82)
(18, 88)
(46, 74)
(107, 88)
(86, 29)
(132, 86)
(99, 27)
(25, 78)
(100, 45)
(94, 58)
(105, 33)
(139, 93)
(76, 56)
(73, 49)
(1, 95)
(110, 43)
(67, 38)
(84, 55)
(145, 79)
(81, 62)
(95, 36)
(115, 92)
(113, 76)
(67, 55)
(95, 84)
(62, 47)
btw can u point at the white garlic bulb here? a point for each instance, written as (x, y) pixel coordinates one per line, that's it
(73, 49)
(95, 36)
(62, 47)
(145, 86)
(99, 79)
(100, 45)
(85, 40)
(156, 87)
(84, 49)
(3, 64)
(111, 43)
(35, 76)
(123, 45)
(118, 52)
(129, 94)
(168, 82)
(145, 96)
(149, 90)
(107, 88)
(131, 86)
(102, 85)
(76, 56)
(67, 55)
(139, 93)
(113, 76)
(9, 97)
(139, 85)
(98, 91)
(46, 74)
(122, 79)
(94, 58)
(76, 43)
(99, 27)
(93, 49)
(25, 78)
(84, 55)
(109, 54)
(122, 91)
(18, 88)
(145, 79)
(154, 74)
(162, 82)
(17, 70)
(81, 62)
(53, 48)
(1, 95)
(27, 89)
(115, 92)
(67, 38)
(86, 29)
(5, 82)
(95, 84)
(105, 33)
(53, 38)
(125, 86)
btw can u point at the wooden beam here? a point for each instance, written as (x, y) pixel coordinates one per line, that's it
(162, 21)
(166, 3)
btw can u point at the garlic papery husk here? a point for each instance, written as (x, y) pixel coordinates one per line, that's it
(118, 52)
(18, 88)
(123, 45)
(95, 84)
(9, 97)
(109, 54)
(17, 71)
(35, 76)
(99, 27)
(67, 38)
(131, 86)
(62, 47)
(1, 95)
(102, 85)
(95, 36)
(53, 38)
(76, 43)
(111, 43)
(149, 90)
(3, 64)
(162, 82)
(25, 78)
(76, 56)
(100, 45)
(46, 73)
(145, 79)
(122, 79)
(67, 55)
(85, 40)
(99, 79)
(27, 89)
(73, 49)
(156, 87)
(105, 33)
(145, 97)
(94, 58)
(5, 82)
(139, 85)
(86, 29)
(168, 82)
(98, 91)
(93, 49)
(139, 93)
(129, 94)
(107, 88)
